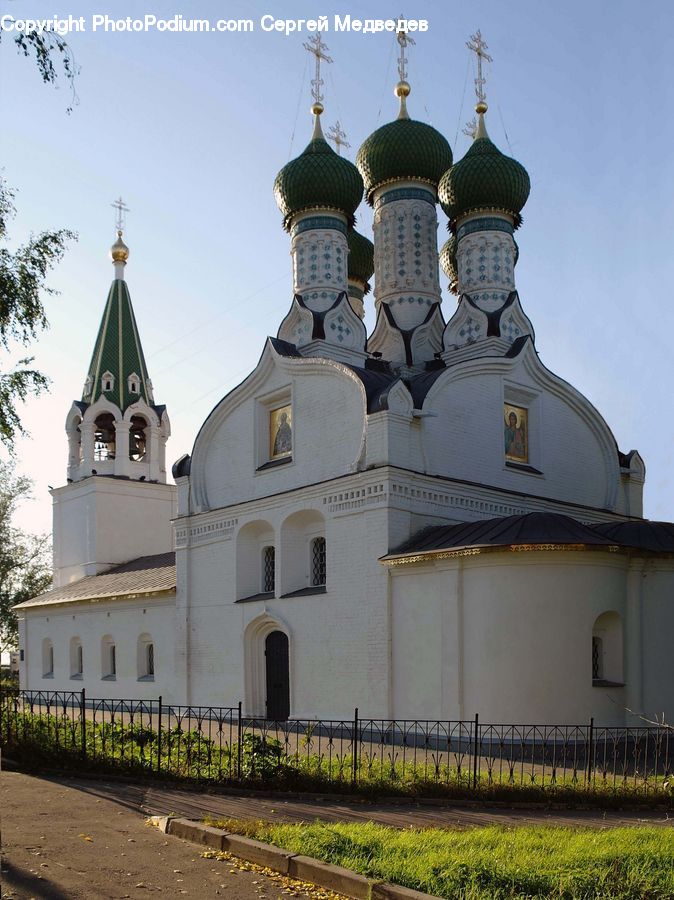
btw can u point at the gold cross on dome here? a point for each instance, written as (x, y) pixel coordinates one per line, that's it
(316, 47)
(122, 210)
(478, 46)
(338, 137)
(404, 40)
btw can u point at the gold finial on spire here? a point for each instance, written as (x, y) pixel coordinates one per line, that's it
(338, 137)
(402, 89)
(119, 251)
(479, 47)
(317, 48)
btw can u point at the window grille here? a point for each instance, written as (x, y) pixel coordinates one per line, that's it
(150, 660)
(318, 561)
(596, 657)
(269, 569)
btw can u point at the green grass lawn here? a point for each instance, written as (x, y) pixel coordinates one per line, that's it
(490, 862)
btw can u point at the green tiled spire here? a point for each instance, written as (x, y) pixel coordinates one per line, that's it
(118, 351)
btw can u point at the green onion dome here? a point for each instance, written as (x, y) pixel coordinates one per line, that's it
(484, 179)
(318, 179)
(403, 149)
(361, 257)
(448, 262)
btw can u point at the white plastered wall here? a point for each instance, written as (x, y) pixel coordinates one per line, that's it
(328, 410)
(100, 522)
(509, 636)
(339, 643)
(124, 621)
(569, 443)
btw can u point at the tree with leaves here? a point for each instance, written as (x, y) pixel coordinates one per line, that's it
(25, 559)
(49, 49)
(23, 276)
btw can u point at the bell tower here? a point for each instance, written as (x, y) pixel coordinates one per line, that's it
(116, 505)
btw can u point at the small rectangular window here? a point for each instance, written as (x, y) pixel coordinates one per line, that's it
(50, 661)
(80, 660)
(149, 659)
(597, 658)
(269, 569)
(318, 561)
(113, 659)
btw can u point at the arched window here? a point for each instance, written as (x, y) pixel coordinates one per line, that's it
(318, 561)
(269, 569)
(47, 659)
(74, 441)
(76, 658)
(104, 437)
(303, 553)
(108, 658)
(138, 439)
(107, 381)
(146, 658)
(607, 650)
(134, 384)
(255, 559)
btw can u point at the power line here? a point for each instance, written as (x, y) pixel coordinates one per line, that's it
(213, 319)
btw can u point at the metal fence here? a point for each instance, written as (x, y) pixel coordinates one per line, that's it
(222, 745)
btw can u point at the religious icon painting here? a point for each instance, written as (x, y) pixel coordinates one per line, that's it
(280, 432)
(516, 433)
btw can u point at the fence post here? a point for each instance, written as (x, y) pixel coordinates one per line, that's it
(83, 722)
(590, 753)
(159, 718)
(239, 747)
(355, 747)
(477, 728)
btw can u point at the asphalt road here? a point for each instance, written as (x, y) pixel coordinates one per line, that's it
(61, 841)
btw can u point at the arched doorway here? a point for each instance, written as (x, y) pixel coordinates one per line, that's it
(277, 676)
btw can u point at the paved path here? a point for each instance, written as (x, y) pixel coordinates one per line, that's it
(157, 800)
(64, 840)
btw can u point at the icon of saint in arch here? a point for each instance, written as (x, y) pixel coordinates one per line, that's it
(515, 433)
(280, 432)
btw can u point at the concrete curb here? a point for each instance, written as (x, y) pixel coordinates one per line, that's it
(305, 868)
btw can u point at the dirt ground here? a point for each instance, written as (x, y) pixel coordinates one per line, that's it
(61, 840)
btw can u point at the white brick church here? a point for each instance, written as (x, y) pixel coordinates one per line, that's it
(423, 522)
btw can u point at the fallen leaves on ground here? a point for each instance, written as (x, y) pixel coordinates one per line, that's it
(290, 887)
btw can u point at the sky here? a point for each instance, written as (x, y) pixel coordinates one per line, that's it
(191, 129)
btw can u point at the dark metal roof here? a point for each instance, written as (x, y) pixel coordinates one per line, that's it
(658, 537)
(182, 466)
(542, 528)
(284, 348)
(529, 528)
(376, 384)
